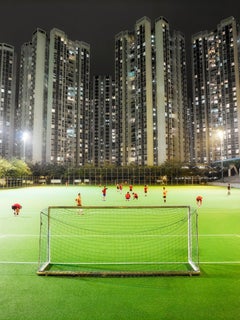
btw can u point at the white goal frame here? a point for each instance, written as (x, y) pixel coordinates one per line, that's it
(46, 265)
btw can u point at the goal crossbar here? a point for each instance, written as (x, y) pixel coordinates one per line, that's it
(118, 241)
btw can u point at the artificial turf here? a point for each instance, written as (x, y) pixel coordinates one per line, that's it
(212, 295)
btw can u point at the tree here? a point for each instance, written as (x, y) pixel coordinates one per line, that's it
(5, 167)
(18, 169)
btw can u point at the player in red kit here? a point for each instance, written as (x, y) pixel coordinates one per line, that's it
(104, 192)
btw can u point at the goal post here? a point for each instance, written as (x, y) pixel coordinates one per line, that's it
(118, 241)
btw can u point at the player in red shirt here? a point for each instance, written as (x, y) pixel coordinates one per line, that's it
(16, 208)
(135, 195)
(104, 192)
(128, 196)
(120, 188)
(199, 200)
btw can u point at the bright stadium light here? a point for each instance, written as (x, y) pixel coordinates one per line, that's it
(25, 137)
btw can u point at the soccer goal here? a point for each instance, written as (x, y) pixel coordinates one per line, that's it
(118, 241)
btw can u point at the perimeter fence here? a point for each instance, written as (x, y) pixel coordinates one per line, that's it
(107, 176)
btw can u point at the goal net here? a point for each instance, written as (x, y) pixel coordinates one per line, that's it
(102, 241)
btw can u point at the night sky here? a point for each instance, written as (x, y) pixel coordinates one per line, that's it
(98, 21)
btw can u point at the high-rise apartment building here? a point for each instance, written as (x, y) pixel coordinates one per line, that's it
(7, 99)
(32, 100)
(151, 94)
(53, 108)
(103, 135)
(125, 74)
(68, 100)
(216, 92)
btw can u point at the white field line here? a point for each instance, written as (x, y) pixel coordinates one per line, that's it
(118, 235)
(142, 235)
(17, 235)
(219, 235)
(200, 263)
(219, 262)
(146, 263)
(18, 262)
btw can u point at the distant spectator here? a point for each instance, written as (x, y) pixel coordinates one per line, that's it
(229, 189)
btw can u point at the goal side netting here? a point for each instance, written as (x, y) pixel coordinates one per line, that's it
(102, 241)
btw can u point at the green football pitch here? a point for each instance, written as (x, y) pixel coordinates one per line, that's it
(214, 294)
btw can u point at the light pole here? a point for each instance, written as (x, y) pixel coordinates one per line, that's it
(24, 139)
(220, 134)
